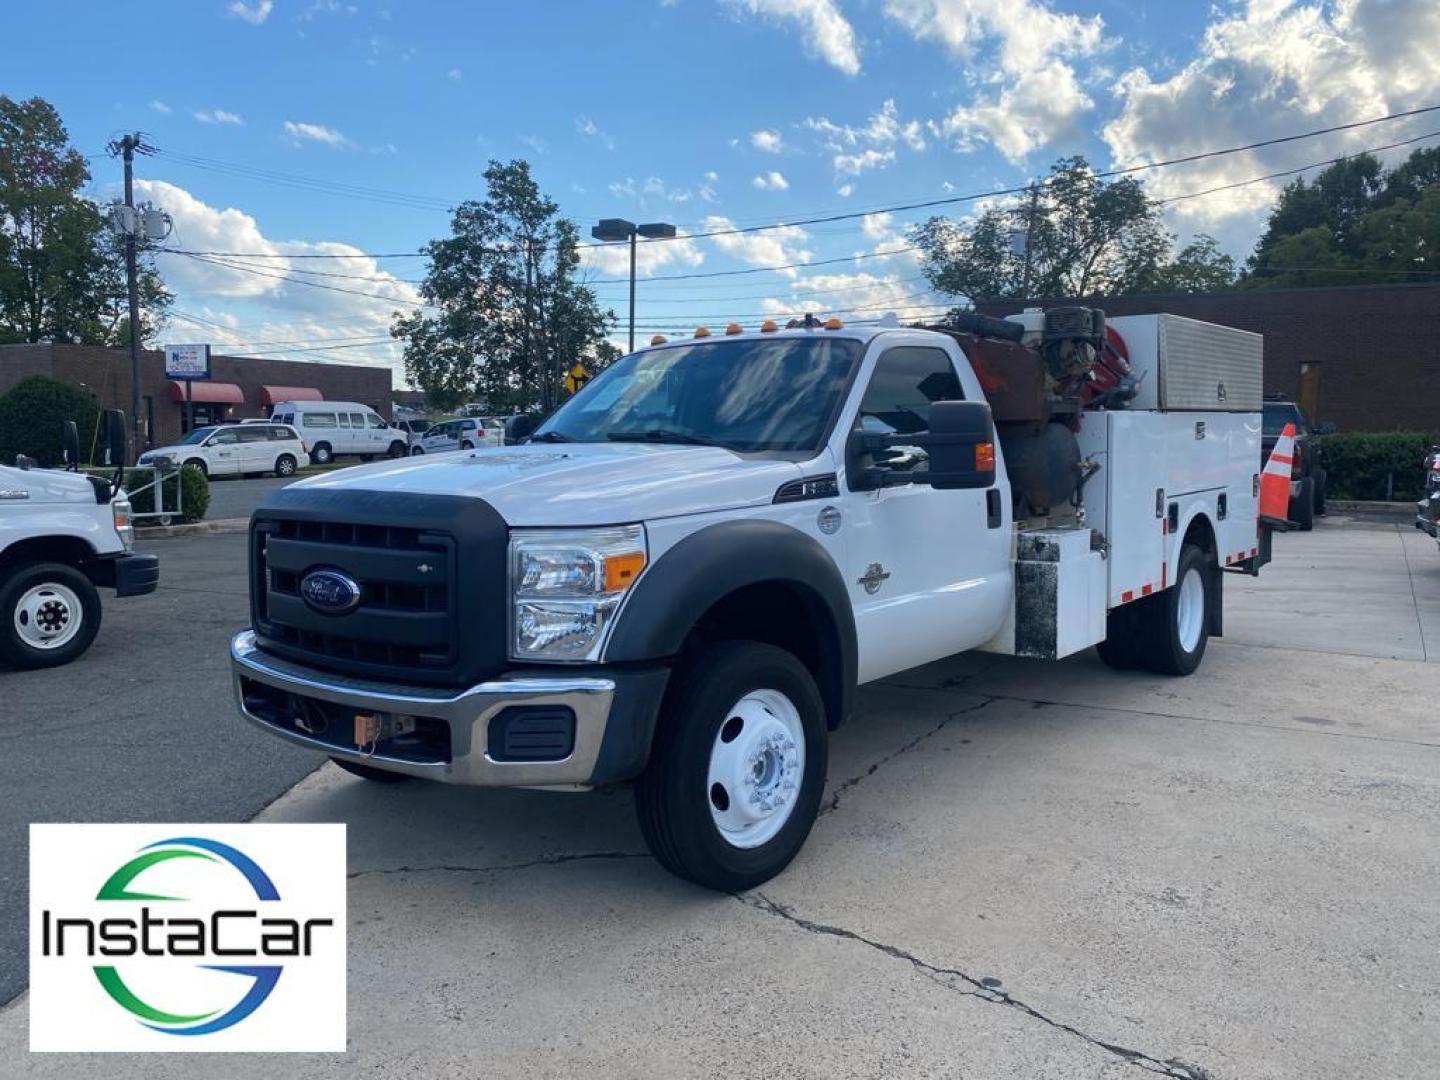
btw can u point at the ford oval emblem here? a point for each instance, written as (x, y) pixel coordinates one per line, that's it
(330, 592)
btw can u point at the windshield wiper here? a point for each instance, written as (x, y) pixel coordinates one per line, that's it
(664, 435)
(550, 436)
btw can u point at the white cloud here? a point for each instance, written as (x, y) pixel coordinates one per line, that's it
(1271, 69)
(858, 296)
(654, 191)
(218, 116)
(587, 127)
(255, 13)
(767, 140)
(855, 164)
(871, 145)
(258, 304)
(161, 107)
(824, 31)
(876, 226)
(533, 142)
(455, 73)
(845, 190)
(1036, 95)
(773, 247)
(613, 260)
(299, 132)
(771, 181)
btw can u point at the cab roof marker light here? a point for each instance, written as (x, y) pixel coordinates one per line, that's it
(834, 324)
(733, 328)
(658, 339)
(769, 327)
(702, 331)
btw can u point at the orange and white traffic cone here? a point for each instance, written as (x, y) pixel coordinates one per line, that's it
(1275, 481)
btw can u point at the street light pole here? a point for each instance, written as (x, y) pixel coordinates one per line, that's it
(613, 230)
(132, 285)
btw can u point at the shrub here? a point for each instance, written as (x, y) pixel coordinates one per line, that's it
(1375, 465)
(194, 492)
(31, 413)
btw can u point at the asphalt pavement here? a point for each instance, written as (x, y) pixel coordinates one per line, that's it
(141, 728)
(1021, 869)
(237, 497)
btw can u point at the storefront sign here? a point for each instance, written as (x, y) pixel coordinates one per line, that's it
(187, 361)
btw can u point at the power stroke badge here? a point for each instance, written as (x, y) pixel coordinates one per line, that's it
(187, 938)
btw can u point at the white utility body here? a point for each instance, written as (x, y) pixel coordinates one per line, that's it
(682, 575)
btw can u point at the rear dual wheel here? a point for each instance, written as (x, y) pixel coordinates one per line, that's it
(736, 772)
(1166, 633)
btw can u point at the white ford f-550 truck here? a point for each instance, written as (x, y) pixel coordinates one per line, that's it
(681, 577)
(63, 535)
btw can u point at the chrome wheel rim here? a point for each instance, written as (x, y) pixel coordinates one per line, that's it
(1190, 610)
(757, 764)
(48, 616)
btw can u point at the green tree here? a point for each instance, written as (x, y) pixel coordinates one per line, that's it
(62, 271)
(1086, 237)
(511, 318)
(31, 413)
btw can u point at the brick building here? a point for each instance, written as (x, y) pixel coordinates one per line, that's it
(1364, 357)
(237, 388)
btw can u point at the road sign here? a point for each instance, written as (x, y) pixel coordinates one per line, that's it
(577, 377)
(187, 362)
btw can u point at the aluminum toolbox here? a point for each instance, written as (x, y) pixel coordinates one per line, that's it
(1191, 366)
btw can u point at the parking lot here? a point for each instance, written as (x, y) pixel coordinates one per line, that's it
(1021, 870)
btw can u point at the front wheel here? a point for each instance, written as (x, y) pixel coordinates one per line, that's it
(199, 463)
(397, 450)
(1177, 621)
(737, 769)
(322, 455)
(467, 445)
(285, 465)
(51, 614)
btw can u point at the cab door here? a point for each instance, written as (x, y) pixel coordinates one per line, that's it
(928, 571)
(222, 453)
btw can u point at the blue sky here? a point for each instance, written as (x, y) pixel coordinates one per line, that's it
(697, 112)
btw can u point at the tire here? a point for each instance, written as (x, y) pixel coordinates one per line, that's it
(1302, 507)
(1122, 648)
(199, 463)
(49, 615)
(467, 445)
(1175, 625)
(369, 772)
(1319, 478)
(417, 451)
(322, 454)
(736, 706)
(397, 450)
(285, 465)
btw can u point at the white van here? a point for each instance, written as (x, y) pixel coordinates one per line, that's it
(335, 428)
(236, 450)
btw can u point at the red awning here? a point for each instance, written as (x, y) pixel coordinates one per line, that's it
(273, 395)
(209, 393)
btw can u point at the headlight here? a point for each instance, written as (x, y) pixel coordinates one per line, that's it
(120, 513)
(565, 587)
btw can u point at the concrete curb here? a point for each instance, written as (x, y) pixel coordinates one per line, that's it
(218, 526)
(1371, 507)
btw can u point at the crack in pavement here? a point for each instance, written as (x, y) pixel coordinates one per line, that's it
(548, 860)
(833, 803)
(987, 990)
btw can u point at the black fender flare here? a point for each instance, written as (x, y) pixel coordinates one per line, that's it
(707, 566)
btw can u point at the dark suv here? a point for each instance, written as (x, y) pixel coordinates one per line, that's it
(1307, 474)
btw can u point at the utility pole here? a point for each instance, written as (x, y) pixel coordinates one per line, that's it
(633, 237)
(126, 148)
(1030, 212)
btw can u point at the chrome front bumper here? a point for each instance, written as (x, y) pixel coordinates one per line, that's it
(467, 713)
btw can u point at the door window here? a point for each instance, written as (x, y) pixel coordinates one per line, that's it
(344, 419)
(906, 382)
(222, 438)
(374, 421)
(357, 420)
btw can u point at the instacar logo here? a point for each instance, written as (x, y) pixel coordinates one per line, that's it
(188, 943)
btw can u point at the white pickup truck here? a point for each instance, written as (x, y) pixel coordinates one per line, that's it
(683, 575)
(63, 535)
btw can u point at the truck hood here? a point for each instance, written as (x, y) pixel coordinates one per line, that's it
(43, 486)
(579, 483)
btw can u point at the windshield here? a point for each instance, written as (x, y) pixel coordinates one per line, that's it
(1280, 413)
(199, 435)
(753, 395)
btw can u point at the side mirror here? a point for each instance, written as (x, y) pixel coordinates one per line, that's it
(112, 437)
(961, 444)
(519, 427)
(70, 444)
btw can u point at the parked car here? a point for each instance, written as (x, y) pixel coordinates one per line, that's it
(413, 430)
(237, 450)
(1307, 474)
(1427, 510)
(469, 433)
(341, 428)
